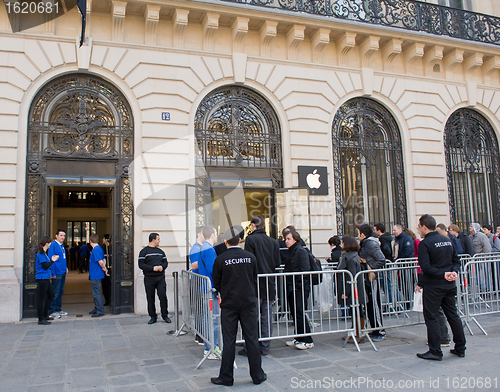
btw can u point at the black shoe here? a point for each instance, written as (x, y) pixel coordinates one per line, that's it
(219, 381)
(43, 322)
(106, 303)
(261, 381)
(243, 352)
(431, 356)
(93, 311)
(264, 353)
(49, 318)
(98, 315)
(457, 353)
(167, 319)
(152, 320)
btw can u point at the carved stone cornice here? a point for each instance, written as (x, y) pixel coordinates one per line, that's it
(239, 30)
(118, 13)
(267, 33)
(294, 36)
(431, 57)
(318, 42)
(489, 67)
(451, 60)
(151, 17)
(411, 54)
(366, 49)
(346, 42)
(180, 21)
(210, 25)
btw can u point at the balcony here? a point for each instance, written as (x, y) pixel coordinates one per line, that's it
(404, 14)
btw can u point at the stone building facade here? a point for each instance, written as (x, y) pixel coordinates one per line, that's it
(405, 121)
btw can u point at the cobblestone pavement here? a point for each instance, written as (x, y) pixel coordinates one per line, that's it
(126, 354)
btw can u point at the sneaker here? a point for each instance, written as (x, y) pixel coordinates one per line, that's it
(55, 315)
(291, 343)
(211, 356)
(218, 350)
(445, 344)
(378, 338)
(304, 346)
(63, 313)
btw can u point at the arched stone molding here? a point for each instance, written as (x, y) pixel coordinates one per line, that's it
(404, 131)
(275, 104)
(24, 108)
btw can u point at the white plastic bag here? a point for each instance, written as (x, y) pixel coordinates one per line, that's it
(325, 294)
(417, 301)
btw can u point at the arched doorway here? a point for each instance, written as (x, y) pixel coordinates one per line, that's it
(472, 166)
(79, 151)
(368, 166)
(239, 166)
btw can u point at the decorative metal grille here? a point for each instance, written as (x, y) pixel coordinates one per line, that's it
(368, 166)
(472, 165)
(236, 127)
(79, 117)
(405, 14)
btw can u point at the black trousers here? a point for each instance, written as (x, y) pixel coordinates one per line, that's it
(249, 320)
(433, 299)
(152, 283)
(297, 302)
(45, 297)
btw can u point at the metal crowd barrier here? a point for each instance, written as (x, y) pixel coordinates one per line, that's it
(482, 285)
(388, 298)
(198, 310)
(300, 308)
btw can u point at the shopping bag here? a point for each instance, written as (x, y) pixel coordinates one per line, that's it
(417, 302)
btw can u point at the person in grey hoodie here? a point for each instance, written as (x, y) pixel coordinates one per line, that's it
(494, 240)
(370, 254)
(480, 243)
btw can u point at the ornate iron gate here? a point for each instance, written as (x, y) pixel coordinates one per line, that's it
(80, 125)
(235, 127)
(368, 166)
(473, 167)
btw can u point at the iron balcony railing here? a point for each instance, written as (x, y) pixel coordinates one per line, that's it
(405, 14)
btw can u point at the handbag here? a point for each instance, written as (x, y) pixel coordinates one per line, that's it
(365, 266)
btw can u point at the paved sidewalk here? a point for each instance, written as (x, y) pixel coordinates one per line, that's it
(126, 354)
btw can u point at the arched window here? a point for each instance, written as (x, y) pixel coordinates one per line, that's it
(472, 165)
(368, 166)
(236, 127)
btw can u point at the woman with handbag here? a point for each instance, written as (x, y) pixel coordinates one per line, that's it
(349, 260)
(297, 290)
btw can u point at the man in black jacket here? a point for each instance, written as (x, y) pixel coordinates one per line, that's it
(465, 240)
(235, 278)
(385, 240)
(402, 245)
(267, 252)
(440, 265)
(153, 263)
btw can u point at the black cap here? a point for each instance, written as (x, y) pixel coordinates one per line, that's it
(234, 232)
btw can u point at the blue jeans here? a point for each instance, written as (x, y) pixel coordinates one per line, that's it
(58, 286)
(215, 305)
(95, 285)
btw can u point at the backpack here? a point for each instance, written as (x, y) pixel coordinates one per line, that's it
(315, 266)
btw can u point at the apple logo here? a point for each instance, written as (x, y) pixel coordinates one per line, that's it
(313, 180)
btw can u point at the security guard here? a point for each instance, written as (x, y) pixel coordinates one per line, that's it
(235, 277)
(440, 265)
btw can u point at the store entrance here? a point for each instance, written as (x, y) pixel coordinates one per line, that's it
(224, 206)
(82, 211)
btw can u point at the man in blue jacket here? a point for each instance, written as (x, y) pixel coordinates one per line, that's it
(402, 247)
(59, 270)
(206, 268)
(97, 272)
